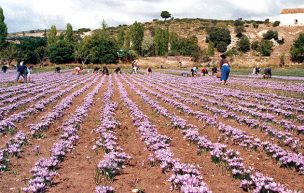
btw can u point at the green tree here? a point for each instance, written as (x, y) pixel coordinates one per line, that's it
(276, 24)
(52, 35)
(165, 15)
(219, 35)
(148, 46)
(103, 48)
(243, 44)
(9, 53)
(69, 33)
(255, 45)
(210, 50)
(61, 52)
(270, 34)
(297, 49)
(161, 41)
(121, 38)
(127, 43)
(265, 48)
(82, 50)
(137, 36)
(173, 41)
(221, 47)
(3, 29)
(27, 49)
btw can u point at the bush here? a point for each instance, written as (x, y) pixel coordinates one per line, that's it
(232, 52)
(297, 49)
(239, 22)
(255, 25)
(217, 35)
(281, 41)
(276, 24)
(265, 48)
(255, 45)
(244, 44)
(210, 50)
(239, 31)
(270, 34)
(221, 47)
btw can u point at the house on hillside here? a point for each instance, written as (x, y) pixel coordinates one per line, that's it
(292, 17)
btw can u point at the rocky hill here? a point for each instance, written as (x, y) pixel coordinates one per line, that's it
(197, 27)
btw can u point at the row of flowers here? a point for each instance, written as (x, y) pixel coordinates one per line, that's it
(8, 123)
(58, 111)
(219, 152)
(13, 148)
(185, 177)
(10, 97)
(287, 159)
(45, 169)
(115, 159)
(284, 137)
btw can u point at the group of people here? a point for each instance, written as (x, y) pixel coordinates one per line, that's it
(24, 71)
(224, 73)
(267, 72)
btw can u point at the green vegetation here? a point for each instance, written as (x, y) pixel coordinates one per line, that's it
(265, 48)
(161, 41)
(270, 34)
(220, 37)
(137, 37)
(297, 49)
(276, 24)
(244, 44)
(165, 15)
(3, 30)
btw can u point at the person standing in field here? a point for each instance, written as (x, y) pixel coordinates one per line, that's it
(28, 73)
(105, 70)
(22, 71)
(225, 69)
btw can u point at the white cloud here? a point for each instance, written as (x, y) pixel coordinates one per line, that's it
(24, 15)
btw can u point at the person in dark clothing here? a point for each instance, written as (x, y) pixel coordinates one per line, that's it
(96, 69)
(149, 70)
(105, 71)
(4, 68)
(192, 72)
(57, 69)
(204, 71)
(267, 72)
(257, 70)
(22, 71)
(118, 70)
(214, 70)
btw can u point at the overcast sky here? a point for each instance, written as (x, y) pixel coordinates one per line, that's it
(23, 15)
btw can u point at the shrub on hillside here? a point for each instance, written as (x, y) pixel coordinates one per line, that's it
(276, 24)
(297, 49)
(265, 48)
(243, 44)
(255, 45)
(232, 52)
(270, 34)
(221, 47)
(217, 35)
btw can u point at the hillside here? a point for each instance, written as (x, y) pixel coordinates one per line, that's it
(197, 27)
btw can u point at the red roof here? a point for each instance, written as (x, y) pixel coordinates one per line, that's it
(292, 11)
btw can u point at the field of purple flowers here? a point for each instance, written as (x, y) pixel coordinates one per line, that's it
(151, 133)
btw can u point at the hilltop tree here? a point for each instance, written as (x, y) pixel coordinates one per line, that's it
(165, 15)
(3, 29)
(51, 38)
(137, 36)
(69, 33)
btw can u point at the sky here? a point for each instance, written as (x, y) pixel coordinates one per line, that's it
(24, 15)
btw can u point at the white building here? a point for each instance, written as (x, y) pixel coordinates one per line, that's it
(292, 17)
